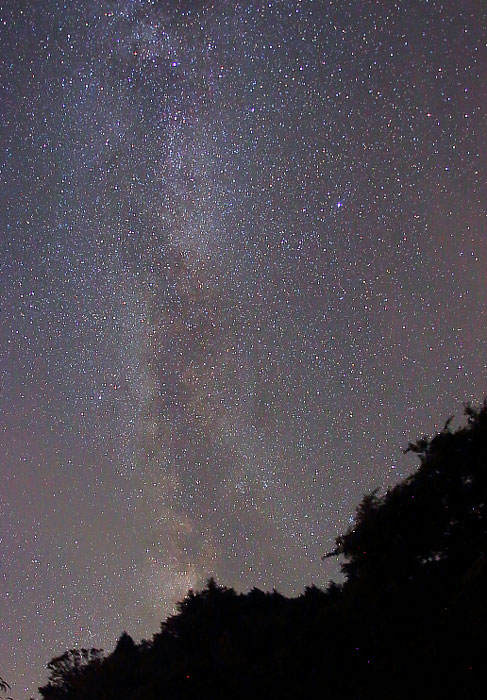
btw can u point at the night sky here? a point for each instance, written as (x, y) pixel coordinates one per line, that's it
(243, 257)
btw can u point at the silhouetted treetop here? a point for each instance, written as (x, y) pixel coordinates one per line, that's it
(69, 672)
(432, 522)
(125, 644)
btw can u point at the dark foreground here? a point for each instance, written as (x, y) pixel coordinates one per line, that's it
(409, 621)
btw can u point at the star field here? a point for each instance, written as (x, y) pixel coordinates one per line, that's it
(243, 253)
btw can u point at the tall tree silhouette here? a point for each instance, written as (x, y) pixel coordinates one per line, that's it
(415, 566)
(434, 523)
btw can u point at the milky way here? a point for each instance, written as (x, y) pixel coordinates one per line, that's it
(243, 262)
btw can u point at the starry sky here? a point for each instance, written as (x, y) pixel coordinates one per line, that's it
(243, 257)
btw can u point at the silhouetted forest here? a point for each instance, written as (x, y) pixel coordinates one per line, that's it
(408, 621)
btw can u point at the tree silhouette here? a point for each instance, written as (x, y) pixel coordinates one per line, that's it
(70, 672)
(409, 621)
(417, 557)
(432, 524)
